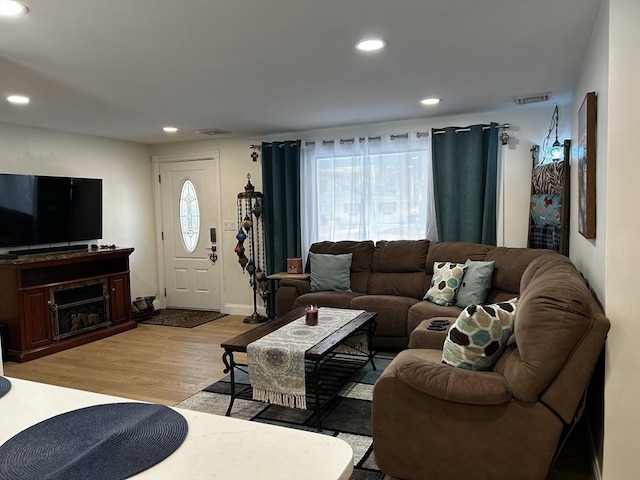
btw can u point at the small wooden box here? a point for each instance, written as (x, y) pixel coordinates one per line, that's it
(294, 265)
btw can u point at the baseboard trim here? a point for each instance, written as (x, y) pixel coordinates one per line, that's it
(238, 309)
(595, 465)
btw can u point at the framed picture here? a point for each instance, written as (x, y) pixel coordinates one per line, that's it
(587, 166)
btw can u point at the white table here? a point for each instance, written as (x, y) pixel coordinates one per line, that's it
(216, 447)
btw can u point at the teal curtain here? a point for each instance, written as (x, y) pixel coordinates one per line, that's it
(281, 189)
(465, 176)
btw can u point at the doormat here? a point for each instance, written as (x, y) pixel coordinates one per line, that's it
(175, 317)
(347, 416)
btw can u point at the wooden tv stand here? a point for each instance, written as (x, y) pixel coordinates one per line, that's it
(29, 283)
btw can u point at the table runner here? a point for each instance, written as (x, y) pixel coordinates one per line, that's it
(276, 361)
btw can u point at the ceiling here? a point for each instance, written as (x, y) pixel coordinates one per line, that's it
(123, 69)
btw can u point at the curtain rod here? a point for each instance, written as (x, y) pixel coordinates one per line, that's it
(458, 130)
(259, 147)
(369, 139)
(392, 137)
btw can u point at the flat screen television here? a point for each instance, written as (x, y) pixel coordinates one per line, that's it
(40, 210)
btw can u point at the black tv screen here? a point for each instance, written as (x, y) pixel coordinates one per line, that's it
(38, 210)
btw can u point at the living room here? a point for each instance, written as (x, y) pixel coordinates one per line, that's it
(610, 68)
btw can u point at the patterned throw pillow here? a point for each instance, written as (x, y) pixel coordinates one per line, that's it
(447, 277)
(546, 209)
(478, 336)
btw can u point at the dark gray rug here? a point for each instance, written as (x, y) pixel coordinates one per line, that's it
(175, 317)
(347, 416)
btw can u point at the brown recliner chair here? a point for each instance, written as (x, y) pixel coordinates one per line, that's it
(433, 421)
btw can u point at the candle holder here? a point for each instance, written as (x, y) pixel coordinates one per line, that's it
(311, 315)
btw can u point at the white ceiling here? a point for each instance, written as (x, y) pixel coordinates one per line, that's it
(124, 68)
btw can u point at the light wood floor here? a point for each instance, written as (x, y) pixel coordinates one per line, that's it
(169, 364)
(150, 363)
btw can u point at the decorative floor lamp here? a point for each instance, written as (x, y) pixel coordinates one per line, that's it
(251, 228)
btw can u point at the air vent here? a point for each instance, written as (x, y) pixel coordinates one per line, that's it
(213, 131)
(532, 98)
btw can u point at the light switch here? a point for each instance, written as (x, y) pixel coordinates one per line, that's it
(229, 226)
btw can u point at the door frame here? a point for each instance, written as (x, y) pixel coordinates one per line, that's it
(213, 156)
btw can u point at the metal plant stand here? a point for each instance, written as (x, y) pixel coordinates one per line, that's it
(251, 229)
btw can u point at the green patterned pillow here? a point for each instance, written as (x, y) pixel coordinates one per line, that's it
(479, 335)
(447, 277)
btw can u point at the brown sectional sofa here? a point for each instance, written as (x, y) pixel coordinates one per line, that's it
(433, 421)
(391, 278)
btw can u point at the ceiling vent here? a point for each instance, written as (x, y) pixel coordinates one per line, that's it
(213, 131)
(532, 98)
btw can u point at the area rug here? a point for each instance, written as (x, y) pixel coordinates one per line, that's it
(347, 416)
(174, 317)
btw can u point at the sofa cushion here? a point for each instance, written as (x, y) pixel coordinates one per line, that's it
(360, 264)
(510, 265)
(330, 272)
(475, 283)
(392, 311)
(398, 268)
(479, 335)
(447, 277)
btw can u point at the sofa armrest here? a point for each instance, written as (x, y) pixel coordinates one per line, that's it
(302, 285)
(422, 337)
(288, 290)
(454, 384)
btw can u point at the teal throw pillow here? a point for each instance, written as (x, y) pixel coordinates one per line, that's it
(475, 284)
(479, 335)
(330, 272)
(446, 280)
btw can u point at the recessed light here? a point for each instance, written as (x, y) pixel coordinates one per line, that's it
(430, 101)
(170, 129)
(11, 8)
(371, 44)
(18, 99)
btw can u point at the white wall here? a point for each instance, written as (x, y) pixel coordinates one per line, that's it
(128, 181)
(127, 189)
(588, 255)
(611, 262)
(528, 127)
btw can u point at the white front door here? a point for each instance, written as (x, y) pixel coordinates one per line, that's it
(189, 195)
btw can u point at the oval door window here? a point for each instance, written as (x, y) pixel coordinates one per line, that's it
(189, 213)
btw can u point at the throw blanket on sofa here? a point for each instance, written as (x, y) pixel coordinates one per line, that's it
(276, 361)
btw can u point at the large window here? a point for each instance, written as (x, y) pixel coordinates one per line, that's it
(367, 189)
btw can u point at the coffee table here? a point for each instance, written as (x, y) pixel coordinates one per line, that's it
(327, 371)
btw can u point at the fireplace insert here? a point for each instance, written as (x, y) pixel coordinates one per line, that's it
(79, 307)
